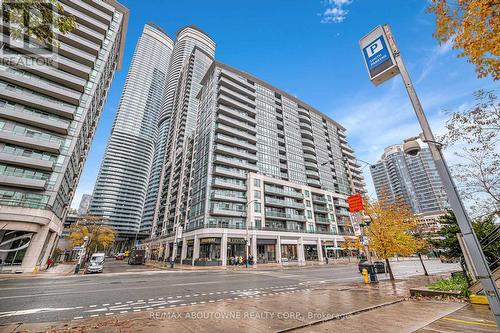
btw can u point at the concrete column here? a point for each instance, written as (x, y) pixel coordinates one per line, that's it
(48, 250)
(320, 250)
(300, 252)
(253, 247)
(196, 248)
(34, 249)
(184, 249)
(278, 249)
(223, 248)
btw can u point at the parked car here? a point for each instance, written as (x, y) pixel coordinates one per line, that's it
(379, 266)
(120, 256)
(137, 257)
(96, 263)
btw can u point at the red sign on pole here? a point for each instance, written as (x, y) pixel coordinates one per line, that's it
(355, 203)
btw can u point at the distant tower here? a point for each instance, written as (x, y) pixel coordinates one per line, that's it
(84, 204)
(121, 186)
(412, 178)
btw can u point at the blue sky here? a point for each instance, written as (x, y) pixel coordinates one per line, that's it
(310, 49)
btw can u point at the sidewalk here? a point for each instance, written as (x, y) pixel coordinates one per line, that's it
(339, 307)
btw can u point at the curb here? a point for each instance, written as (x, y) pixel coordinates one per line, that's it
(342, 315)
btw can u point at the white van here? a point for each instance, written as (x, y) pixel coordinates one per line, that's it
(96, 264)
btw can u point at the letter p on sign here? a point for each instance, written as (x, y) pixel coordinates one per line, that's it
(374, 47)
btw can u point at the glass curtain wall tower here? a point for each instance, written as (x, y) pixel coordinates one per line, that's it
(413, 179)
(120, 190)
(187, 39)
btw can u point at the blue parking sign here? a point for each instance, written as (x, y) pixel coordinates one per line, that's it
(376, 53)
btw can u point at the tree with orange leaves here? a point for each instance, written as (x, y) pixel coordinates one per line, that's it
(389, 232)
(474, 28)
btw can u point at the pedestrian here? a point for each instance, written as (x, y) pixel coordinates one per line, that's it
(49, 262)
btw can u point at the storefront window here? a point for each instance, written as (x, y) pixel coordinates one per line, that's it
(13, 247)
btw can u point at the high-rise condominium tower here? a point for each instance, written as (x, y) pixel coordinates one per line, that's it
(413, 179)
(49, 109)
(261, 168)
(121, 186)
(187, 39)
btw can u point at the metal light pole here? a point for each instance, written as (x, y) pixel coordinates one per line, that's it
(84, 246)
(470, 239)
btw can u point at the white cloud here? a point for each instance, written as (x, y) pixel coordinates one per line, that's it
(335, 13)
(435, 56)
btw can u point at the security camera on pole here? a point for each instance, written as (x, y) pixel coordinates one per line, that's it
(383, 61)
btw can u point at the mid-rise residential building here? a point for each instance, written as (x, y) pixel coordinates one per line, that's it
(50, 103)
(120, 190)
(83, 208)
(263, 169)
(413, 179)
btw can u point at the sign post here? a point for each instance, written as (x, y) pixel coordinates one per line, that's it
(382, 67)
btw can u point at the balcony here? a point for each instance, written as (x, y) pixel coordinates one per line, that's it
(280, 191)
(237, 173)
(28, 98)
(223, 197)
(284, 216)
(33, 184)
(310, 157)
(46, 87)
(303, 112)
(240, 81)
(240, 115)
(244, 126)
(311, 166)
(229, 185)
(26, 162)
(227, 212)
(236, 96)
(322, 220)
(235, 163)
(232, 141)
(237, 85)
(30, 142)
(34, 119)
(236, 152)
(313, 182)
(308, 142)
(221, 128)
(316, 198)
(312, 174)
(320, 209)
(283, 203)
(309, 150)
(305, 119)
(230, 102)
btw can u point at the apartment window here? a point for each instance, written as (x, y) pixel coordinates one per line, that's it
(257, 207)
(256, 194)
(329, 198)
(256, 182)
(309, 214)
(258, 223)
(308, 203)
(307, 193)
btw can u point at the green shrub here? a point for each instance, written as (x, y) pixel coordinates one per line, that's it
(457, 283)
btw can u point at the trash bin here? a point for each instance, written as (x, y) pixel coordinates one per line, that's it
(379, 266)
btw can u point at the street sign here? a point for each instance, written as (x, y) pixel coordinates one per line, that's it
(355, 203)
(378, 56)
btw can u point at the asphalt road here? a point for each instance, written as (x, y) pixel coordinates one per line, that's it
(137, 288)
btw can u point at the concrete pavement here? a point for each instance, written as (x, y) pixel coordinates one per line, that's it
(357, 308)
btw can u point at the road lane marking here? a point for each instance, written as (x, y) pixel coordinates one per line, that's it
(469, 322)
(79, 317)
